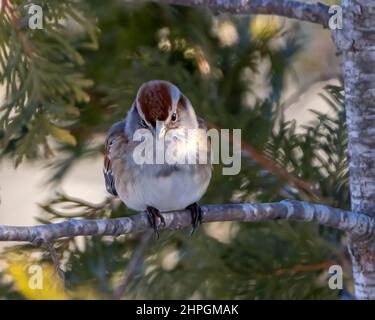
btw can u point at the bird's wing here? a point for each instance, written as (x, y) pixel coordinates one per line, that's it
(116, 133)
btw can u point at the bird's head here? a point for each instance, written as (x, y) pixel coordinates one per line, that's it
(161, 106)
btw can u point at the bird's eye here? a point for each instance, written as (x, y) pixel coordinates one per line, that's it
(143, 124)
(174, 117)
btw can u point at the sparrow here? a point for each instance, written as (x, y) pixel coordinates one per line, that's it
(159, 107)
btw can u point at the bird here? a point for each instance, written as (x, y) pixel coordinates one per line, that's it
(159, 108)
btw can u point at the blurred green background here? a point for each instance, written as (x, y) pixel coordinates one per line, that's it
(65, 85)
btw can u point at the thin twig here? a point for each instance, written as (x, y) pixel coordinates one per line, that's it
(273, 167)
(134, 265)
(55, 260)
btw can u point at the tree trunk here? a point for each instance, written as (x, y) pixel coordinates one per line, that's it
(357, 43)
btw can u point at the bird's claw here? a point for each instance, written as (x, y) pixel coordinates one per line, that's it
(196, 216)
(152, 215)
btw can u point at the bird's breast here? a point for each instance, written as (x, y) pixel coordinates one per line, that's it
(165, 187)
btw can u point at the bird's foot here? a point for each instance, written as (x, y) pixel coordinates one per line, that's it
(196, 216)
(153, 214)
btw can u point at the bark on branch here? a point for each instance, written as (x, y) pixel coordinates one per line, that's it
(311, 12)
(358, 226)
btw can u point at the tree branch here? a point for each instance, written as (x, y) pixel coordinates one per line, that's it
(311, 12)
(358, 226)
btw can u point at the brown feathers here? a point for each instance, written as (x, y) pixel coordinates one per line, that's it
(155, 101)
(116, 133)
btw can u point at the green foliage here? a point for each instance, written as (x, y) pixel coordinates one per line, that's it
(42, 73)
(142, 42)
(319, 154)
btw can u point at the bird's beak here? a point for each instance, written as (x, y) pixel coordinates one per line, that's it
(160, 129)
